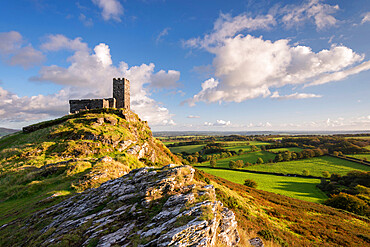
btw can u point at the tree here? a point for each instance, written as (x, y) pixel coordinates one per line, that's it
(232, 164)
(305, 172)
(240, 151)
(287, 156)
(263, 148)
(213, 163)
(254, 148)
(294, 156)
(247, 164)
(250, 183)
(259, 160)
(326, 174)
(239, 163)
(278, 158)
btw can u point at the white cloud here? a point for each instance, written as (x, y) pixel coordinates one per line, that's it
(192, 116)
(14, 53)
(218, 123)
(23, 109)
(90, 74)
(163, 33)
(112, 9)
(337, 76)
(60, 42)
(88, 22)
(163, 79)
(246, 67)
(276, 95)
(227, 26)
(320, 13)
(366, 18)
(10, 42)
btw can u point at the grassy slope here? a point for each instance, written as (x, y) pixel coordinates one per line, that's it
(248, 157)
(189, 148)
(300, 188)
(287, 221)
(314, 165)
(27, 180)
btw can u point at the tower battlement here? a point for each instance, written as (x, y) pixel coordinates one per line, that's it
(121, 98)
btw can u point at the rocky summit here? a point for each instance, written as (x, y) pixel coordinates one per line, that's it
(146, 207)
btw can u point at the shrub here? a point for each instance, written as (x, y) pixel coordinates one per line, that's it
(250, 183)
(232, 164)
(326, 174)
(213, 163)
(266, 234)
(239, 163)
(349, 203)
(259, 160)
(305, 172)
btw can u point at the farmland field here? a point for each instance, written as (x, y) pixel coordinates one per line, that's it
(358, 137)
(248, 157)
(277, 150)
(315, 166)
(237, 145)
(189, 148)
(360, 156)
(300, 188)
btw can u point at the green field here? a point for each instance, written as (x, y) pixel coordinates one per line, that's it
(300, 188)
(189, 148)
(248, 157)
(315, 166)
(360, 156)
(277, 150)
(237, 145)
(358, 137)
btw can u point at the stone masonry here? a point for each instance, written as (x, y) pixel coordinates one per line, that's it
(121, 98)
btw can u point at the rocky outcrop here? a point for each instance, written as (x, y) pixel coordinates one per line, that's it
(146, 207)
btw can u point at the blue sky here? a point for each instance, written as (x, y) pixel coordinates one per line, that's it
(193, 65)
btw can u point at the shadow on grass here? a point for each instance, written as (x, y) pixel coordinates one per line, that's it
(302, 189)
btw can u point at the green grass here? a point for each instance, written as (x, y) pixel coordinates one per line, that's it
(299, 188)
(277, 150)
(248, 157)
(360, 156)
(358, 137)
(189, 148)
(315, 166)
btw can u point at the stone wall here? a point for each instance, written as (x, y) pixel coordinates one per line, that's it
(88, 104)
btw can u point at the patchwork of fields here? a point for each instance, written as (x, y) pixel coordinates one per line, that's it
(315, 166)
(360, 156)
(300, 188)
(296, 187)
(248, 157)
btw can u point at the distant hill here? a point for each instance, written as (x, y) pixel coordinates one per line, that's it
(5, 131)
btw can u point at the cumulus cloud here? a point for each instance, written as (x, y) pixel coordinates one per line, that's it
(276, 95)
(111, 9)
(320, 13)
(218, 123)
(227, 26)
(13, 51)
(340, 75)
(246, 67)
(60, 42)
(366, 18)
(22, 109)
(163, 79)
(192, 116)
(89, 75)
